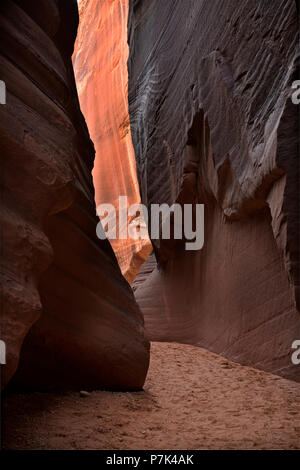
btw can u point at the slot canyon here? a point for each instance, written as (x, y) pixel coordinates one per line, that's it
(143, 344)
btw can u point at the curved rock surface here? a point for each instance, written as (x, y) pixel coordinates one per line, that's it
(213, 122)
(62, 289)
(100, 64)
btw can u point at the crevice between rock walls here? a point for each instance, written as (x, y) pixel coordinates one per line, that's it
(100, 64)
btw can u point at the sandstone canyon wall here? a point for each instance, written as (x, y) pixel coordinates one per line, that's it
(68, 316)
(213, 122)
(100, 64)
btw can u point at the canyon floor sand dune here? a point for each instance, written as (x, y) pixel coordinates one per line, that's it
(193, 399)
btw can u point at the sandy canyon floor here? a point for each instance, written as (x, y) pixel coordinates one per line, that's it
(192, 399)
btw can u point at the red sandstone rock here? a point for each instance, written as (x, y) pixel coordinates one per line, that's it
(100, 64)
(62, 289)
(213, 79)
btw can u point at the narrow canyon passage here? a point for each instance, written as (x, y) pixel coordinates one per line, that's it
(192, 399)
(127, 98)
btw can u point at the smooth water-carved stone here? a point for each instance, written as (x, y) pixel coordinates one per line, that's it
(214, 81)
(68, 316)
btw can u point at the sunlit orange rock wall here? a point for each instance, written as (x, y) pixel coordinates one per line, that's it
(100, 64)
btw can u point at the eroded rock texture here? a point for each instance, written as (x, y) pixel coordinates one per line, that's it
(100, 64)
(62, 289)
(213, 122)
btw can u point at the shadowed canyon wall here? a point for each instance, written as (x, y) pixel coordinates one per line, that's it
(100, 64)
(65, 303)
(213, 122)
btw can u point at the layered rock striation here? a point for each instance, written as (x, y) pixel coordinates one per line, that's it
(100, 64)
(68, 316)
(213, 122)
